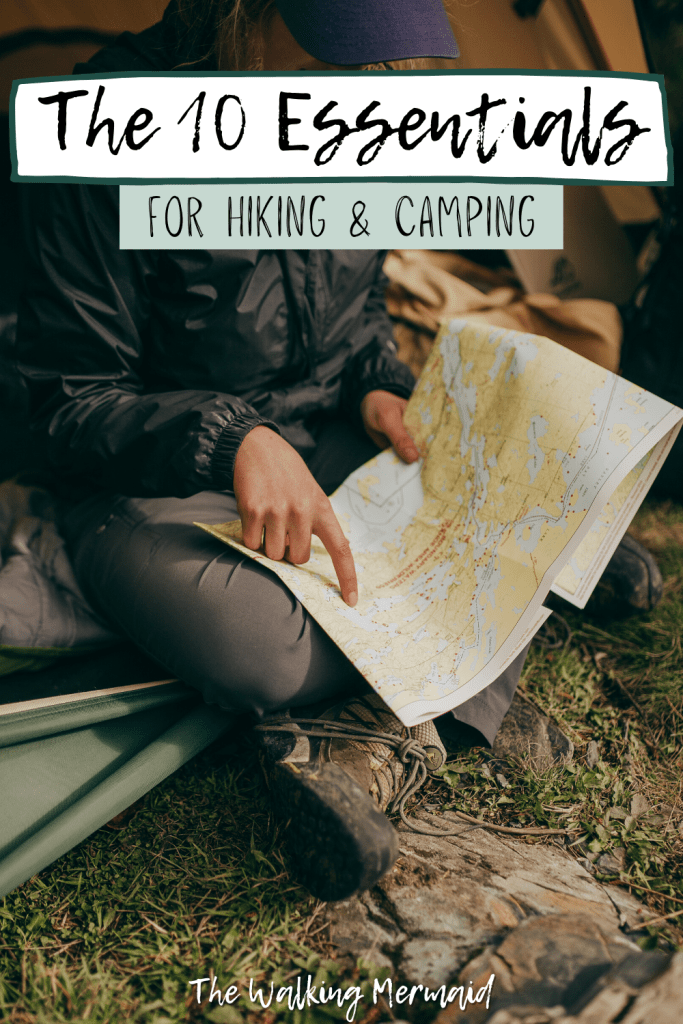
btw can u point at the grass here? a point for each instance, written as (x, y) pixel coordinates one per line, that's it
(617, 684)
(191, 883)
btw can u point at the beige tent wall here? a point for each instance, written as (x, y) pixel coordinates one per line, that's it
(107, 15)
(601, 34)
(566, 35)
(579, 35)
(491, 35)
(615, 24)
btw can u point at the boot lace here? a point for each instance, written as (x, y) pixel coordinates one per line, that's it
(406, 749)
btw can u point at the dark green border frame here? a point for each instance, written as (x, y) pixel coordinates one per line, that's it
(521, 73)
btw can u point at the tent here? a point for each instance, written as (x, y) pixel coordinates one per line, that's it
(71, 762)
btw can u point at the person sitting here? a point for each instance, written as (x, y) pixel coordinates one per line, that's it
(171, 387)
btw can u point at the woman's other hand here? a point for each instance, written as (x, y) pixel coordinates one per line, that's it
(382, 414)
(276, 493)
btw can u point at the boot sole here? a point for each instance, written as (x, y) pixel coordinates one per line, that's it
(340, 841)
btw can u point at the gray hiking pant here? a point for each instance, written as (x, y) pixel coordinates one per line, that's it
(214, 618)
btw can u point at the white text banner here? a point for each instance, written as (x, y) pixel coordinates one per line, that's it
(543, 127)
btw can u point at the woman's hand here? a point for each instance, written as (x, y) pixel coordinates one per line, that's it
(382, 415)
(276, 492)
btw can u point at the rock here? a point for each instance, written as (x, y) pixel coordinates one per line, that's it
(643, 988)
(662, 1000)
(639, 805)
(361, 929)
(592, 754)
(613, 862)
(526, 732)
(528, 1015)
(544, 962)
(429, 961)
(446, 898)
(615, 988)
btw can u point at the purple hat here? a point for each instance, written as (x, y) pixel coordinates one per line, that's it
(369, 31)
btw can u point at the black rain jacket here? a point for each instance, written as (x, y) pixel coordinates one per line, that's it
(147, 368)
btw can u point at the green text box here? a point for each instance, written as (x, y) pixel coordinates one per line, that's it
(372, 215)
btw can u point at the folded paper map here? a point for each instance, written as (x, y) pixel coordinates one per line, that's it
(534, 460)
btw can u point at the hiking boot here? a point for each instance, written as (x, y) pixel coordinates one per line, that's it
(331, 778)
(630, 583)
(525, 732)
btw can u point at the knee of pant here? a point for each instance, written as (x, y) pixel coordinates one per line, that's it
(256, 687)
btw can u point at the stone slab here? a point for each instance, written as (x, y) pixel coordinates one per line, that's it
(447, 898)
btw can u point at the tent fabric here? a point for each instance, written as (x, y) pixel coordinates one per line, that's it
(58, 790)
(48, 37)
(596, 261)
(112, 17)
(615, 24)
(430, 287)
(33, 719)
(565, 35)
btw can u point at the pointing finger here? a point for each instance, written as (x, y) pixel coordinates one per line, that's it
(330, 533)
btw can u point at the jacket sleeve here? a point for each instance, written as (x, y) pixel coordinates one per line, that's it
(376, 365)
(82, 327)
